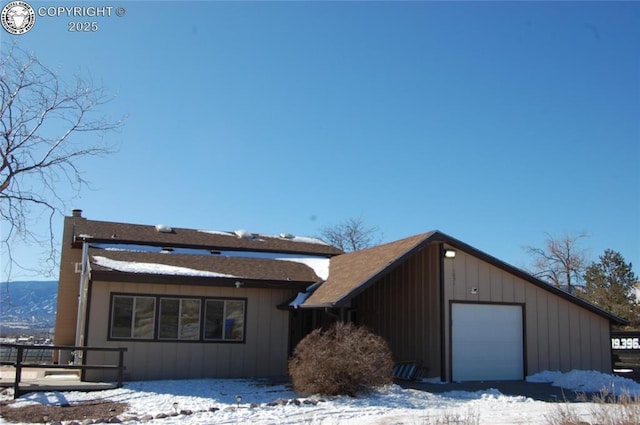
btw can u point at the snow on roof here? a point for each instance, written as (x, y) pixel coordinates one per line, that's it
(319, 265)
(247, 235)
(217, 232)
(294, 238)
(244, 234)
(302, 296)
(163, 228)
(154, 268)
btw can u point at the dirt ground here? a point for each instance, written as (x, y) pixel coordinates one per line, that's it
(101, 410)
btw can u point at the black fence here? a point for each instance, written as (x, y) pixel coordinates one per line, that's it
(41, 356)
(9, 354)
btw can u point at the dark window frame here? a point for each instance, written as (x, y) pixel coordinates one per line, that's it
(202, 323)
(180, 316)
(133, 318)
(225, 320)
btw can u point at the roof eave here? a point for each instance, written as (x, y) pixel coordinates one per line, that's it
(437, 236)
(116, 276)
(340, 302)
(90, 239)
(455, 243)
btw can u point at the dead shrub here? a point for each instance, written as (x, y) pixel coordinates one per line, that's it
(342, 360)
(607, 409)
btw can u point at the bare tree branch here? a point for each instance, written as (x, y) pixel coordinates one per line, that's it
(561, 262)
(351, 235)
(46, 127)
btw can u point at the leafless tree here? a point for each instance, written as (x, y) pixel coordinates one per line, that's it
(561, 262)
(351, 234)
(46, 126)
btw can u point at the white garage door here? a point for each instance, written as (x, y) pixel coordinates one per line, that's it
(487, 342)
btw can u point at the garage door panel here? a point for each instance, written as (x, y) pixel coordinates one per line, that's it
(487, 342)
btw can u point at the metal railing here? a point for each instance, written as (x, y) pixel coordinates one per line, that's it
(33, 356)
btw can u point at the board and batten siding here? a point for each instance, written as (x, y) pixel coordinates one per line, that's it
(264, 352)
(404, 308)
(559, 335)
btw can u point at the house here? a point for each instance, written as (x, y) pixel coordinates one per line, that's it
(189, 303)
(185, 303)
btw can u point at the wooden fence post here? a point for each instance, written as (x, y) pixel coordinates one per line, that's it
(16, 383)
(120, 366)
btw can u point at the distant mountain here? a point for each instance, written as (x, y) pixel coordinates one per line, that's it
(27, 307)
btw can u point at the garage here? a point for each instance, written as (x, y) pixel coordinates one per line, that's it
(487, 342)
(464, 314)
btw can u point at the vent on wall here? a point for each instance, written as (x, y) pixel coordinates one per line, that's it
(78, 267)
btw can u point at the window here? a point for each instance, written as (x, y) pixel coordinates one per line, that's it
(224, 320)
(133, 317)
(179, 319)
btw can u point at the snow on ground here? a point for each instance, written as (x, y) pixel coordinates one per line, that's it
(214, 401)
(588, 382)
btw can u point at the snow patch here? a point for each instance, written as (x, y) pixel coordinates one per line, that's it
(163, 228)
(294, 238)
(213, 401)
(154, 268)
(588, 382)
(243, 234)
(217, 232)
(319, 265)
(302, 296)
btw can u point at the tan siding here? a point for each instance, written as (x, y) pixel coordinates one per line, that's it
(484, 281)
(533, 333)
(495, 288)
(574, 337)
(604, 345)
(519, 291)
(565, 335)
(554, 334)
(263, 354)
(68, 289)
(543, 336)
(585, 339)
(560, 335)
(508, 288)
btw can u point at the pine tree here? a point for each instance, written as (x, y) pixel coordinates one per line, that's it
(610, 284)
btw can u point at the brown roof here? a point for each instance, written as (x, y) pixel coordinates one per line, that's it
(137, 266)
(351, 273)
(105, 231)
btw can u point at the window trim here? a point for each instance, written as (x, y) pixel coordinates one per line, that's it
(110, 336)
(180, 310)
(156, 333)
(224, 316)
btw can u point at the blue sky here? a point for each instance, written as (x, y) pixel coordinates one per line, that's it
(494, 122)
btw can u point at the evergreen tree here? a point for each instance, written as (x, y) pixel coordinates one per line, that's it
(610, 284)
